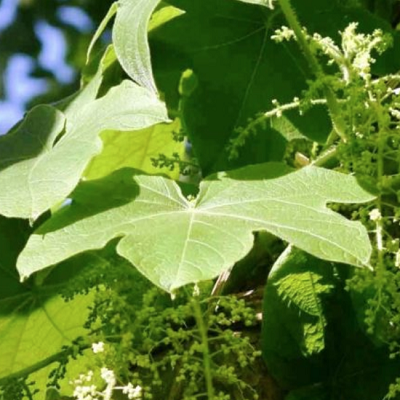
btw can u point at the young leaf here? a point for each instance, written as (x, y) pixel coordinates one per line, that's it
(174, 241)
(130, 40)
(45, 171)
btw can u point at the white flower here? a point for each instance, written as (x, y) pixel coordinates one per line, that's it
(83, 378)
(375, 215)
(132, 392)
(98, 347)
(283, 34)
(85, 392)
(108, 376)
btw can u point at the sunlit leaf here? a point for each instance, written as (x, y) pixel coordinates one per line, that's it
(130, 40)
(37, 171)
(174, 241)
(136, 149)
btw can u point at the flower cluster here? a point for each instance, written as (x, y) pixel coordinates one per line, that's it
(160, 348)
(86, 389)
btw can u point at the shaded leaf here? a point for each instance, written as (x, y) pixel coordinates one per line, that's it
(348, 366)
(240, 71)
(35, 321)
(294, 318)
(174, 241)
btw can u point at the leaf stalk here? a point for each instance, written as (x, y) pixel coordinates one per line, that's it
(332, 102)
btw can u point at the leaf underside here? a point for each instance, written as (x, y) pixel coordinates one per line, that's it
(174, 241)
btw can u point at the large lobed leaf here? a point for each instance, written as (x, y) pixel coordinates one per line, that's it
(240, 70)
(174, 241)
(36, 175)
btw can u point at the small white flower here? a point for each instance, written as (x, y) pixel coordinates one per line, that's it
(108, 376)
(98, 347)
(283, 34)
(375, 215)
(85, 392)
(131, 391)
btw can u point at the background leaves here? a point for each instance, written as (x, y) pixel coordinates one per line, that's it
(35, 320)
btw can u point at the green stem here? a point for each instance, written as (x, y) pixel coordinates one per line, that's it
(325, 157)
(380, 173)
(201, 326)
(33, 368)
(38, 366)
(333, 105)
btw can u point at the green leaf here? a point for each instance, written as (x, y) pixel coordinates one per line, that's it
(240, 70)
(20, 152)
(35, 321)
(294, 316)
(37, 171)
(174, 241)
(347, 365)
(163, 15)
(136, 149)
(99, 31)
(130, 40)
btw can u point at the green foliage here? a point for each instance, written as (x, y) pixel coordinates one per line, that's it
(130, 40)
(296, 284)
(143, 209)
(50, 166)
(154, 205)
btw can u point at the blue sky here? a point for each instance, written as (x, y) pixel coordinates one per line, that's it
(19, 86)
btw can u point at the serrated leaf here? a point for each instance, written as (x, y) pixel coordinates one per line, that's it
(42, 172)
(296, 284)
(174, 241)
(348, 365)
(130, 40)
(35, 321)
(136, 149)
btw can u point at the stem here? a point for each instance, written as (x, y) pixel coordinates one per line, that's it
(380, 173)
(33, 368)
(333, 106)
(325, 157)
(201, 325)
